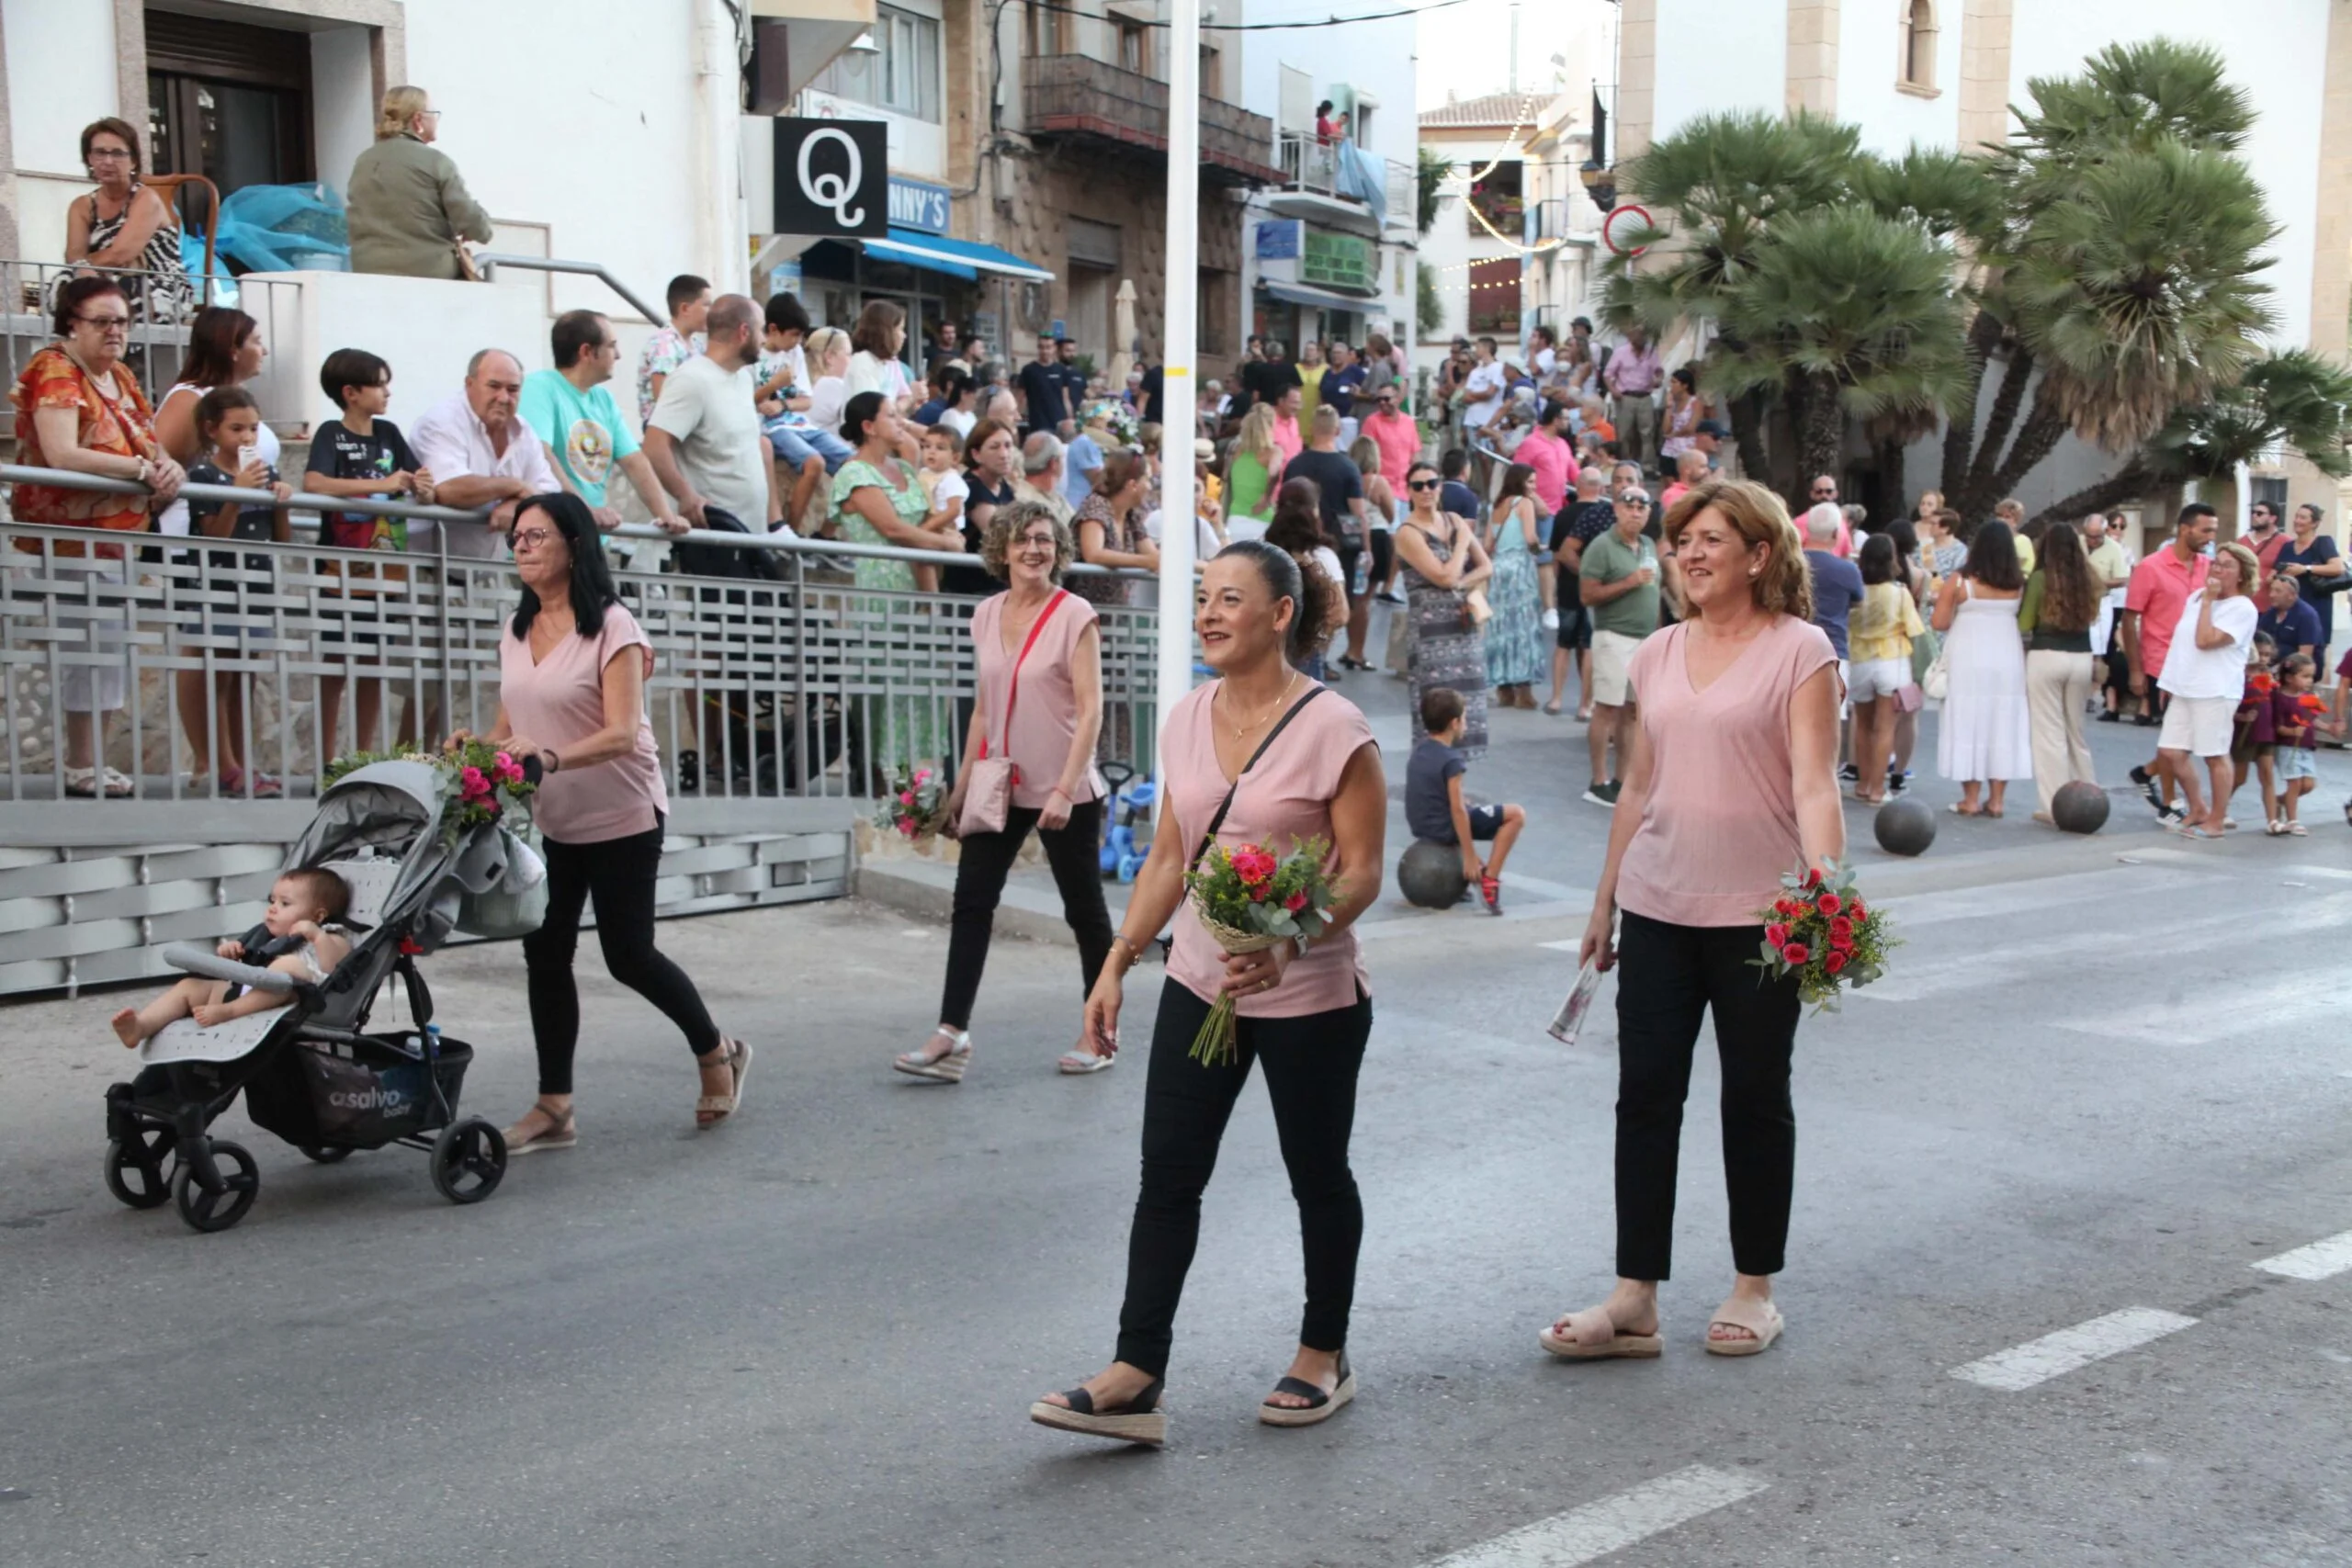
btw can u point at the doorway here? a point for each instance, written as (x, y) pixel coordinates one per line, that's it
(1092, 290)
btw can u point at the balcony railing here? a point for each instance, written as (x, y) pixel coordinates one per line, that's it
(1077, 95)
(1311, 165)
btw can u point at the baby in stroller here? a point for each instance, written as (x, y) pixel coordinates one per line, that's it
(297, 936)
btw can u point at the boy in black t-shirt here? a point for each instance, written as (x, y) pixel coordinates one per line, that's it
(1433, 807)
(362, 454)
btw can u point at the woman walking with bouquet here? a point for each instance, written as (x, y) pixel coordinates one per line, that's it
(573, 664)
(1731, 782)
(1260, 764)
(1028, 763)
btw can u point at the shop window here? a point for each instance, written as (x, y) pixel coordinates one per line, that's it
(902, 72)
(1494, 297)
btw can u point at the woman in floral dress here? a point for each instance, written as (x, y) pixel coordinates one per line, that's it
(1442, 560)
(1515, 652)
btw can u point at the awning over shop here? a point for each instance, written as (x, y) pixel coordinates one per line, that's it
(956, 258)
(1319, 298)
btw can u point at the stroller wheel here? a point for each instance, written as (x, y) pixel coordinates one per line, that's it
(136, 1169)
(218, 1209)
(324, 1154)
(469, 1161)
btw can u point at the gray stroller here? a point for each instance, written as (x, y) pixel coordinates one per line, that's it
(312, 1072)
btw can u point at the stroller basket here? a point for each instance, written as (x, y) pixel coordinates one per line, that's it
(360, 1095)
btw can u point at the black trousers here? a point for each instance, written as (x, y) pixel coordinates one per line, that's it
(618, 874)
(1668, 976)
(1311, 1065)
(1073, 851)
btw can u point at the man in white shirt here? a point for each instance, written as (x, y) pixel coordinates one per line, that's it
(704, 440)
(1482, 390)
(480, 455)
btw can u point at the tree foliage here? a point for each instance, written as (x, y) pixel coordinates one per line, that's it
(2104, 269)
(1429, 175)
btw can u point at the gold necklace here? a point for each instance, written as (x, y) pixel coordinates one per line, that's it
(1242, 730)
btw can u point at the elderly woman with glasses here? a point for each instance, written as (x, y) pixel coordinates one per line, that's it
(410, 211)
(572, 663)
(79, 409)
(124, 226)
(1040, 708)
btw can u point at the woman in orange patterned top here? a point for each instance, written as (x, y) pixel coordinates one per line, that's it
(78, 408)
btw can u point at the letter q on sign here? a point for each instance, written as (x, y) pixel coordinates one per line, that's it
(832, 177)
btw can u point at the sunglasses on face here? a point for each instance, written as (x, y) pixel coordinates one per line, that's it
(1421, 484)
(1639, 502)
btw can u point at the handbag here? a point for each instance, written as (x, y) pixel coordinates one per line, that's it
(1226, 803)
(1936, 684)
(468, 271)
(988, 798)
(1910, 698)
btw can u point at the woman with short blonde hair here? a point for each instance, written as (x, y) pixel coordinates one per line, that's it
(408, 209)
(1744, 688)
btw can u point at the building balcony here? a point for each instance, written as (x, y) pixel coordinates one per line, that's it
(1318, 186)
(1085, 101)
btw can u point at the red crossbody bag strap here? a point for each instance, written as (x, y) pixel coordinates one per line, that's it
(1013, 697)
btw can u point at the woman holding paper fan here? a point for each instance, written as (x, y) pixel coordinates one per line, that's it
(1264, 756)
(1732, 781)
(1028, 763)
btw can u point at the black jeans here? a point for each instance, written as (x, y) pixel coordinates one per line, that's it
(1073, 851)
(1311, 1065)
(1668, 976)
(618, 874)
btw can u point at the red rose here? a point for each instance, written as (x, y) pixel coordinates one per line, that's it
(1841, 944)
(1812, 877)
(1785, 907)
(1856, 909)
(1253, 865)
(1841, 929)
(1830, 903)
(1258, 891)
(1295, 902)
(1837, 961)
(1796, 953)
(1777, 935)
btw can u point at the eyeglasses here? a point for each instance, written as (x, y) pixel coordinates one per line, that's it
(1421, 484)
(531, 538)
(106, 323)
(108, 154)
(1035, 542)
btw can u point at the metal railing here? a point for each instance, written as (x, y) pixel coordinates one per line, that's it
(158, 343)
(1078, 94)
(490, 260)
(1311, 164)
(814, 684)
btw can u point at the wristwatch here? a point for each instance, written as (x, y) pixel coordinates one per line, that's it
(1300, 942)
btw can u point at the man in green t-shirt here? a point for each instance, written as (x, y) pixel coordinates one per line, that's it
(570, 409)
(1618, 581)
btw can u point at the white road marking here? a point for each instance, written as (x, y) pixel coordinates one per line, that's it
(2320, 1260)
(2039, 1361)
(1613, 1523)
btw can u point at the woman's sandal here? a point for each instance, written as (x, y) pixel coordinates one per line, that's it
(1319, 1406)
(947, 1066)
(1593, 1335)
(710, 1110)
(562, 1131)
(1077, 1061)
(1139, 1420)
(1760, 1318)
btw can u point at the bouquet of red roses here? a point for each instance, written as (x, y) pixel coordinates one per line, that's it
(1821, 931)
(1250, 901)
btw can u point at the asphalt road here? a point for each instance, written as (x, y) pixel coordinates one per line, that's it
(2105, 1079)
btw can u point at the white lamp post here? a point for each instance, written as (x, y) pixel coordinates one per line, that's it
(1178, 403)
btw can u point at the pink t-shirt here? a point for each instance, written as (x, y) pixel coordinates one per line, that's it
(1287, 440)
(1554, 464)
(2158, 590)
(1286, 797)
(1720, 827)
(1044, 721)
(559, 702)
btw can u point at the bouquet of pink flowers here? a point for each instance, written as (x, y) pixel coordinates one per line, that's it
(1250, 901)
(915, 805)
(477, 779)
(1820, 929)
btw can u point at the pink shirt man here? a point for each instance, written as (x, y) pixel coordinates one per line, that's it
(1044, 718)
(2158, 590)
(1286, 796)
(1398, 436)
(1286, 437)
(1554, 464)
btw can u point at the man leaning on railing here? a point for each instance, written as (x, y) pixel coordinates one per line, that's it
(480, 455)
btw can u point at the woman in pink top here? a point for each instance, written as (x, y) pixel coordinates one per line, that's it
(1046, 638)
(1732, 781)
(1305, 1012)
(571, 694)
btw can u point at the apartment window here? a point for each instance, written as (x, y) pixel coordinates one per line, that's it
(1920, 45)
(1494, 297)
(1042, 30)
(901, 75)
(1135, 48)
(228, 101)
(1498, 199)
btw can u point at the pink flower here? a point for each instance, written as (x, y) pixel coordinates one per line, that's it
(922, 776)
(906, 798)
(1796, 953)
(1295, 902)
(1253, 865)
(475, 783)
(907, 825)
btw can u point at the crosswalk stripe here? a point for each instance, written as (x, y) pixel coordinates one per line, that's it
(1611, 1524)
(2053, 1355)
(2320, 1260)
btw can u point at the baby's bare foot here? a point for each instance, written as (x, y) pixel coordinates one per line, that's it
(126, 1026)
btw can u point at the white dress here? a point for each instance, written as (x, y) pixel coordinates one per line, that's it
(1986, 731)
